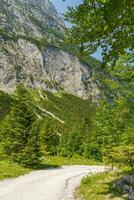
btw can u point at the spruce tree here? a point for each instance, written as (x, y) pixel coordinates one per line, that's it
(49, 137)
(20, 135)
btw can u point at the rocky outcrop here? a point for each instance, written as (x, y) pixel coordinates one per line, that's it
(126, 186)
(50, 68)
(24, 57)
(32, 17)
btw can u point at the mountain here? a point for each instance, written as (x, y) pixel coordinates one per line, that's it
(33, 51)
(64, 110)
(29, 16)
(57, 115)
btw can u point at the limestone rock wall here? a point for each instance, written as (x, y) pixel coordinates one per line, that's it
(50, 68)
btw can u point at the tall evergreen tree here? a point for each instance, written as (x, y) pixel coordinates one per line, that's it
(49, 137)
(20, 135)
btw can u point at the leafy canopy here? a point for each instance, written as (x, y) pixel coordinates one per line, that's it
(108, 24)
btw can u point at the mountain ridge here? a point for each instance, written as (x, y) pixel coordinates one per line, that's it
(32, 55)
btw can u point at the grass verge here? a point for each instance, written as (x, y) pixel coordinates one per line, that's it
(60, 161)
(10, 169)
(100, 186)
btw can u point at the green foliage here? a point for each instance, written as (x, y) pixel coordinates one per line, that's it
(20, 134)
(75, 160)
(100, 186)
(107, 24)
(113, 126)
(5, 104)
(35, 122)
(92, 150)
(23, 137)
(69, 126)
(113, 122)
(9, 169)
(71, 143)
(85, 131)
(72, 110)
(31, 154)
(74, 140)
(49, 137)
(121, 155)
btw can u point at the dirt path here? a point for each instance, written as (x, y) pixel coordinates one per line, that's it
(50, 184)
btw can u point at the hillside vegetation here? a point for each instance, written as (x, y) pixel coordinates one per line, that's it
(9, 169)
(102, 186)
(39, 121)
(35, 123)
(40, 129)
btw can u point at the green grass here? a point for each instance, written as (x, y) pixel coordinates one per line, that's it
(100, 186)
(60, 161)
(10, 169)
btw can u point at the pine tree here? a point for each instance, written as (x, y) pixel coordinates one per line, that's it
(49, 137)
(20, 135)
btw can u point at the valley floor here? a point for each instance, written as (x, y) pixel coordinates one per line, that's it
(55, 183)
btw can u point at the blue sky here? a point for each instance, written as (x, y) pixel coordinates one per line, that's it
(61, 6)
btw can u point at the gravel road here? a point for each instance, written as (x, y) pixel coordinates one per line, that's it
(50, 184)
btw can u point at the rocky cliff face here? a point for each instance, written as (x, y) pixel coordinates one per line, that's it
(32, 17)
(125, 185)
(22, 61)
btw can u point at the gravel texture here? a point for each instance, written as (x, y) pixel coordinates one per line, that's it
(50, 184)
